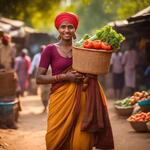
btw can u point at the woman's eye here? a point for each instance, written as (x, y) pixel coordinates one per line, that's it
(70, 26)
(63, 26)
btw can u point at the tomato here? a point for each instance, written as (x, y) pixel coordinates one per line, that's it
(88, 44)
(106, 46)
(96, 44)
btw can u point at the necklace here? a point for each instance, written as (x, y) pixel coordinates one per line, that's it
(66, 52)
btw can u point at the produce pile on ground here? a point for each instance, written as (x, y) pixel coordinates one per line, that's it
(139, 121)
(136, 97)
(124, 103)
(105, 38)
(138, 105)
(139, 96)
(140, 117)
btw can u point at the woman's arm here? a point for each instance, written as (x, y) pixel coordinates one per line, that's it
(43, 78)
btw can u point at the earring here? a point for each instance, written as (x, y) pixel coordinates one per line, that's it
(59, 37)
(74, 36)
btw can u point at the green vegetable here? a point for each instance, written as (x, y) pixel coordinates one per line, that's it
(79, 43)
(109, 35)
(125, 102)
(106, 34)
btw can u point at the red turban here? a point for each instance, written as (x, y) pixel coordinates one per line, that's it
(6, 39)
(66, 16)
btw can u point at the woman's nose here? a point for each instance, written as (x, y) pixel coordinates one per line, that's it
(66, 29)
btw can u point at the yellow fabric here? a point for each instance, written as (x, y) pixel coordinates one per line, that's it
(61, 106)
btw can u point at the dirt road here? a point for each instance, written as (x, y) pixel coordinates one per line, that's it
(32, 127)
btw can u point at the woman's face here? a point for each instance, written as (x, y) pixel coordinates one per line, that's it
(66, 30)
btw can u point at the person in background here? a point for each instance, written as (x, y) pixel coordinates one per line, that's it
(147, 76)
(118, 74)
(21, 69)
(7, 52)
(35, 62)
(28, 63)
(78, 117)
(130, 61)
(27, 58)
(44, 89)
(7, 60)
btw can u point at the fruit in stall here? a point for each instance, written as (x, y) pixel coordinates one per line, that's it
(140, 117)
(124, 102)
(138, 96)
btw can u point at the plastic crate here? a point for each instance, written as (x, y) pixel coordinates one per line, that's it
(8, 113)
(144, 105)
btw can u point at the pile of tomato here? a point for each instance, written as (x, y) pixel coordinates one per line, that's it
(96, 44)
(140, 117)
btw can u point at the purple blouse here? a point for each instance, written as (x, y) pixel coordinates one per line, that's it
(50, 56)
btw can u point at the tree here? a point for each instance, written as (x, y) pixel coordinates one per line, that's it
(36, 13)
(92, 16)
(100, 12)
(125, 8)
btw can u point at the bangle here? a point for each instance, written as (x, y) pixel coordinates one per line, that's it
(63, 77)
(60, 77)
(56, 78)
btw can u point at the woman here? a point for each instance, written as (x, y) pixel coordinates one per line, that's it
(22, 72)
(77, 118)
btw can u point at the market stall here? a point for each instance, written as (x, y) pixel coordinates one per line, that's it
(137, 109)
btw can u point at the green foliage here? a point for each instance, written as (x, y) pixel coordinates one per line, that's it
(92, 16)
(126, 8)
(36, 13)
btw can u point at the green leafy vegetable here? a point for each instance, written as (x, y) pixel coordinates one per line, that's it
(79, 43)
(109, 35)
(125, 102)
(106, 34)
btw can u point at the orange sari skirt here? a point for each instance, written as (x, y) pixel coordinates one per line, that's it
(60, 115)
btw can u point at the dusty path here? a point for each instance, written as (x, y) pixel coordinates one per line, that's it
(32, 126)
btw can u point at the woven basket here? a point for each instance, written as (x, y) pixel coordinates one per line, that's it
(139, 126)
(148, 126)
(124, 111)
(145, 108)
(7, 84)
(91, 61)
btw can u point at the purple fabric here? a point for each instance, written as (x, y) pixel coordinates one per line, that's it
(51, 56)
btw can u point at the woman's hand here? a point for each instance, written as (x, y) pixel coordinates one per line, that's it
(75, 76)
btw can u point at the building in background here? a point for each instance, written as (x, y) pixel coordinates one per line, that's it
(24, 36)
